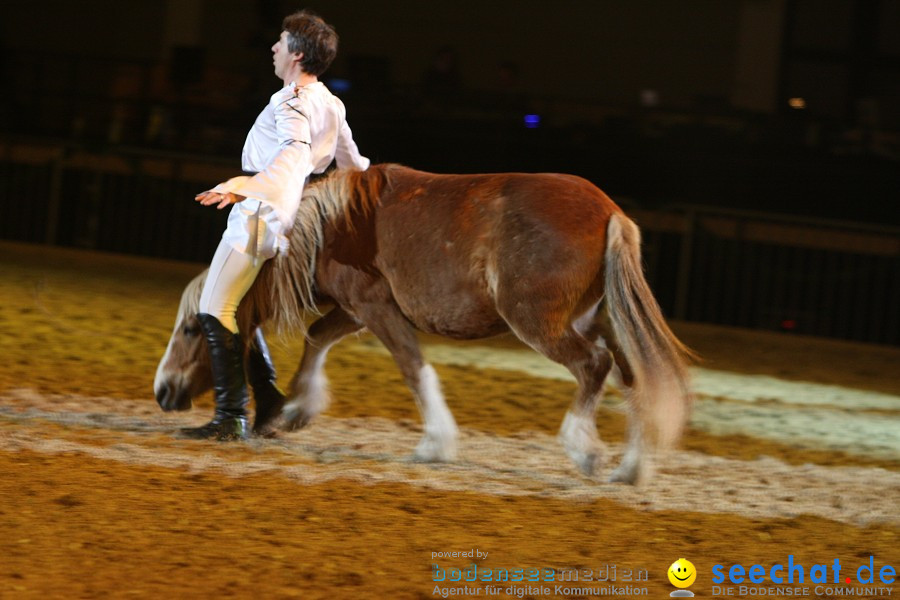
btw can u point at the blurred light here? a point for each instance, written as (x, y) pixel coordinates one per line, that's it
(649, 98)
(339, 85)
(789, 324)
(798, 103)
(532, 121)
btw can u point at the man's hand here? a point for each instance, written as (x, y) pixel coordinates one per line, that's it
(221, 200)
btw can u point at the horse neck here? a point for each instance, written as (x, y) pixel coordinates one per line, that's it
(284, 290)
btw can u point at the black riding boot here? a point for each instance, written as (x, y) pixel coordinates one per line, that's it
(261, 376)
(226, 353)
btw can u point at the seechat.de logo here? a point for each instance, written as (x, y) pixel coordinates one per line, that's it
(793, 572)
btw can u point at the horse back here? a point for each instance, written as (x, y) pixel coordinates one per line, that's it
(538, 219)
(480, 207)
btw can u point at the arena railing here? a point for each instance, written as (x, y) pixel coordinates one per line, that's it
(771, 271)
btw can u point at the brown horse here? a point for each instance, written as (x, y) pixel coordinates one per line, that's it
(393, 250)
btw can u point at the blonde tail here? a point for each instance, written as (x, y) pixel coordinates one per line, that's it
(660, 393)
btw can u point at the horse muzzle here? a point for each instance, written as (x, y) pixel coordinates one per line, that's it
(171, 397)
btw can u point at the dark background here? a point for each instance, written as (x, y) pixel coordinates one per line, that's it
(657, 102)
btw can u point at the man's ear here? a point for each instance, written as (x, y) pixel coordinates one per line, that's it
(298, 56)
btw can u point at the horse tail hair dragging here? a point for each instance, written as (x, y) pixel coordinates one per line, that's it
(660, 393)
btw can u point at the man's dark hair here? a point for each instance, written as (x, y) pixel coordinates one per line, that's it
(316, 39)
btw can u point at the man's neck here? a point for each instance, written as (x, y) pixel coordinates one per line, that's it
(299, 78)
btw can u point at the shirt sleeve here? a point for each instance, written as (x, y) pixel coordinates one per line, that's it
(280, 184)
(347, 154)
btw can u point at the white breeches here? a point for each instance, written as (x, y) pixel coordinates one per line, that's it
(231, 274)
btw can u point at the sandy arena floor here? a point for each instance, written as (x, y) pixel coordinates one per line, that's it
(794, 449)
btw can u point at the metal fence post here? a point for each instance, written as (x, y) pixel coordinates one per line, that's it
(53, 202)
(685, 261)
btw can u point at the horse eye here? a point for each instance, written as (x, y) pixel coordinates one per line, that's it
(190, 331)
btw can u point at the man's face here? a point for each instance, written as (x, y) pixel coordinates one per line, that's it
(282, 58)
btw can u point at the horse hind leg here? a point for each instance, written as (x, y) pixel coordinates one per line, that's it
(590, 364)
(309, 387)
(385, 320)
(635, 464)
(578, 432)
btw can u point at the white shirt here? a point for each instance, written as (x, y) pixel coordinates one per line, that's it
(299, 132)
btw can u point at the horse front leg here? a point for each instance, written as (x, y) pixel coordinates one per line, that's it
(391, 327)
(309, 387)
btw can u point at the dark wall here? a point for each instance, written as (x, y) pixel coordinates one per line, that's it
(110, 28)
(606, 50)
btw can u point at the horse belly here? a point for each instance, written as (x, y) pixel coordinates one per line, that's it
(462, 314)
(434, 249)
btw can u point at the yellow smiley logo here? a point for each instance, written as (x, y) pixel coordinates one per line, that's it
(682, 573)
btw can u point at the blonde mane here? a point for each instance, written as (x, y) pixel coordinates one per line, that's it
(285, 289)
(190, 298)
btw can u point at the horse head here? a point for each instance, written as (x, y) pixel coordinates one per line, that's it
(184, 371)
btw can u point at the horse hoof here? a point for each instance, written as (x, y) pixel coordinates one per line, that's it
(268, 425)
(589, 463)
(430, 450)
(631, 474)
(267, 418)
(293, 419)
(618, 476)
(268, 432)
